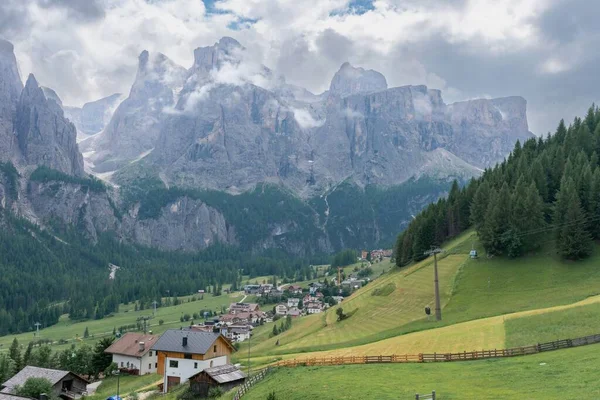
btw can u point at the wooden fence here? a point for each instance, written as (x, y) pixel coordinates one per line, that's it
(442, 357)
(251, 381)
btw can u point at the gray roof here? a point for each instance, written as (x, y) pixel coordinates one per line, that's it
(6, 396)
(198, 342)
(225, 373)
(53, 375)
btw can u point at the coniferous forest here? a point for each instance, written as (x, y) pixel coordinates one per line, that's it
(44, 277)
(546, 191)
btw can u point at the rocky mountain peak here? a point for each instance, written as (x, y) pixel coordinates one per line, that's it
(10, 89)
(51, 95)
(44, 135)
(350, 80)
(210, 57)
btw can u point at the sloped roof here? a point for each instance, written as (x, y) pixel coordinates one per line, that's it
(7, 396)
(129, 344)
(53, 375)
(225, 373)
(198, 342)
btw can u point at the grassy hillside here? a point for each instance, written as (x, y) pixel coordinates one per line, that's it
(557, 375)
(479, 296)
(67, 330)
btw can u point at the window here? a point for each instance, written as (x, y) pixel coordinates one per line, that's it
(215, 348)
(150, 366)
(150, 354)
(195, 365)
(155, 365)
(122, 364)
(174, 364)
(211, 364)
(187, 356)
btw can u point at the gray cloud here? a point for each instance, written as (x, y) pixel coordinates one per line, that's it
(543, 50)
(80, 9)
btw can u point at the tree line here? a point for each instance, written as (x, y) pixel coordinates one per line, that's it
(44, 277)
(546, 191)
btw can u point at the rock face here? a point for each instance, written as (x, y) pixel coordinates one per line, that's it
(44, 136)
(350, 80)
(135, 125)
(94, 116)
(184, 225)
(10, 89)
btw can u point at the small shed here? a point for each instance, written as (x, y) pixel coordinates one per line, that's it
(225, 377)
(65, 384)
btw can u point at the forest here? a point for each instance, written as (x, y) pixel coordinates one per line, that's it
(44, 276)
(546, 191)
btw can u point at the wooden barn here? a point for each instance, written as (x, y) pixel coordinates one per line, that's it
(225, 377)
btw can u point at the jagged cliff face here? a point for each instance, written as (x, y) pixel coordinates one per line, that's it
(10, 90)
(93, 116)
(232, 125)
(183, 225)
(44, 136)
(229, 125)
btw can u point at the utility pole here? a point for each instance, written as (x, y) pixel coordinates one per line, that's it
(154, 303)
(339, 280)
(438, 309)
(249, 345)
(37, 327)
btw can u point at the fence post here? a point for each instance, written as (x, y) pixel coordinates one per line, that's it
(417, 396)
(433, 395)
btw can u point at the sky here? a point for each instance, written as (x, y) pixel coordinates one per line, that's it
(543, 50)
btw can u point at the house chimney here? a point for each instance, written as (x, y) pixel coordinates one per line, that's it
(184, 341)
(142, 346)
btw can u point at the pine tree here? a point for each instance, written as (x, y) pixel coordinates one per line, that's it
(15, 354)
(86, 333)
(513, 241)
(594, 205)
(535, 217)
(573, 240)
(497, 222)
(479, 205)
(27, 359)
(538, 176)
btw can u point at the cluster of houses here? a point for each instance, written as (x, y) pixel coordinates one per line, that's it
(179, 355)
(376, 254)
(265, 289)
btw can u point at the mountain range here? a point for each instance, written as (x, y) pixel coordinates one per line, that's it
(227, 151)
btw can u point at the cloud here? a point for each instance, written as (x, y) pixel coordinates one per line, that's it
(540, 49)
(305, 119)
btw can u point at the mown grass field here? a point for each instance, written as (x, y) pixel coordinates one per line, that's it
(376, 317)
(128, 384)
(563, 374)
(561, 324)
(68, 330)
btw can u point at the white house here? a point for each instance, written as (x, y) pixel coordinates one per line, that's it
(280, 309)
(293, 302)
(134, 352)
(184, 353)
(314, 308)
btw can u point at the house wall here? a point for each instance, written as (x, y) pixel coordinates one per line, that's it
(127, 362)
(146, 365)
(189, 367)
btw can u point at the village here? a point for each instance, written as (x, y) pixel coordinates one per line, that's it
(201, 352)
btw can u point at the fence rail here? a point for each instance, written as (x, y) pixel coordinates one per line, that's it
(442, 357)
(251, 381)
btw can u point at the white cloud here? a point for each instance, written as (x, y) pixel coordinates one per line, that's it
(305, 119)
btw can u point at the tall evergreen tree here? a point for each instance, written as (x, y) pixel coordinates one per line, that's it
(573, 240)
(15, 354)
(594, 205)
(479, 205)
(497, 222)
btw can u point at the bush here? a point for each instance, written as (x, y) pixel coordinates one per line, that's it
(272, 396)
(34, 387)
(215, 392)
(385, 290)
(160, 321)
